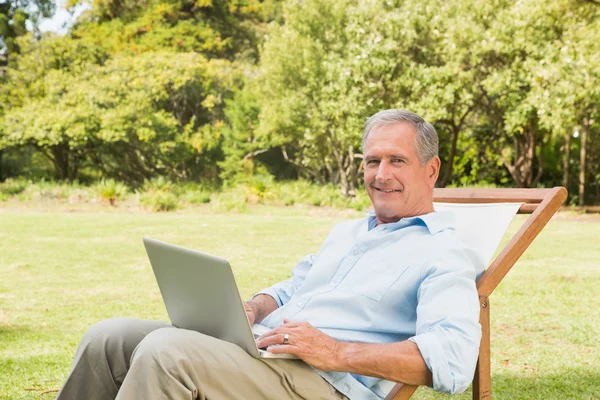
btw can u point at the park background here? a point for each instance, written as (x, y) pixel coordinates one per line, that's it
(244, 119)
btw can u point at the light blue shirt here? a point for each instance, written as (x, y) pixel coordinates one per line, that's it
(409, 280)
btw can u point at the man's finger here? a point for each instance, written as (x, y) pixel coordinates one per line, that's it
(277, 339)
(283, 349)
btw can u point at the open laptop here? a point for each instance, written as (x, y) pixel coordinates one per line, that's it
(200, 294)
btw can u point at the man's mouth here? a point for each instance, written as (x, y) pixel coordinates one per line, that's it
(386, 190)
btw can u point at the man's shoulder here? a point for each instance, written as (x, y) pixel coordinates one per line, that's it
(452, 252)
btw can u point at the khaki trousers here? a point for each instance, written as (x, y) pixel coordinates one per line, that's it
(133, 359)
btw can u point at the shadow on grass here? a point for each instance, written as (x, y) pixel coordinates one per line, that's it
(574, 383)
(10, 334)
(571, 383)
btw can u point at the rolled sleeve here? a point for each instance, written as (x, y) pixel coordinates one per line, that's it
(448, 331)
(283, 291)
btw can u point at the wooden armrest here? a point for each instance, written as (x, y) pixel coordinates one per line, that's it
(401, 391)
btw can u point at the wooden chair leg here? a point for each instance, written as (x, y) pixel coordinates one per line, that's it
(482, 388)
(401, 392)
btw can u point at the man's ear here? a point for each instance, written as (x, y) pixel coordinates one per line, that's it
(433, 170)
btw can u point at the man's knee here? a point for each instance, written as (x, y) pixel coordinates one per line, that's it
(110, 336)
(163, 346)
(178, 351)
(97, 336)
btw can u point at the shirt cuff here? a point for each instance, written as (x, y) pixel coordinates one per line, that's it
(432, 352)
(271, 292)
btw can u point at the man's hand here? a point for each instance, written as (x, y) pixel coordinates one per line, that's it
(307, 342)
(250, 312)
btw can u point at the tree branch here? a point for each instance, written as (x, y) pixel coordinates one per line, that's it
(255, 153)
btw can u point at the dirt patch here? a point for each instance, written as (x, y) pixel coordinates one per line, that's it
(568, 214)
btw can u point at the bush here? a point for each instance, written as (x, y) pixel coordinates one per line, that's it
(259, 189)
(160, 194)
(159, 184)
(234, 199)
(197, 197)
(48, 190)
(303, 192)
(12, 187)
(111, 190)
(160, 201)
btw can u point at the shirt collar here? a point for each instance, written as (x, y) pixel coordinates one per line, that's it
(435, 222)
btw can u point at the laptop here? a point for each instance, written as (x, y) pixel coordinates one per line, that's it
(200, 294)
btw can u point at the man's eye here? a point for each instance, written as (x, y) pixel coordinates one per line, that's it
(397, 160)
(371, 162)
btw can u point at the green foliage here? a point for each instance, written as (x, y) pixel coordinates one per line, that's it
(159, 184)
(161, 194)
(111, 190)
(215, 28)
(222, 91)
(259, 189)
(160, 201)
(11, 187)
(501, 81)
(197, 197)
(160, 114)
(14, 17)
(234, 199)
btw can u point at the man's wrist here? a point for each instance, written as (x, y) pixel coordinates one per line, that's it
(262, 305)
(340, 358)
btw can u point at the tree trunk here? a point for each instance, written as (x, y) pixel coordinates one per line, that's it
(1, 168)
(540, 165)
(341, 170)
(582, 158)
(450, 163)
(566, 160)
(528, 167)
(521, 168)
(353, 176)
(60, 158)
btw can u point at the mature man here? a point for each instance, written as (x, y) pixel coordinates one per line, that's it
(390, 297)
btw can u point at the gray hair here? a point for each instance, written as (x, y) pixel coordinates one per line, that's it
(427, 141)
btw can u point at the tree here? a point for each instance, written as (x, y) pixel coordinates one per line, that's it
(334, 63)
(131, 118)
(14, 15)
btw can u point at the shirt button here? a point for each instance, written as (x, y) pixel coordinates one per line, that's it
(299, 303)
(355, 252)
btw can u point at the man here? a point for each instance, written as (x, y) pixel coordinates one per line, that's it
(390, 297)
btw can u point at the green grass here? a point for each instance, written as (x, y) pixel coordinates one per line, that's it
(60, 272)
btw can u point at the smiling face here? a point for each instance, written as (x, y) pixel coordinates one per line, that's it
(398, 185)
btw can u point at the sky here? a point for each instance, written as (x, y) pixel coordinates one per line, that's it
(62, 19)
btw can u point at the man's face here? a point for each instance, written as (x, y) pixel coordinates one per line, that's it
(398, 185)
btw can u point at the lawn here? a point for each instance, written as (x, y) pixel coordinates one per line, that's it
(62, 271)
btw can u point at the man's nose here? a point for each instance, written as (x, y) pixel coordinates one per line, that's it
(383, 171)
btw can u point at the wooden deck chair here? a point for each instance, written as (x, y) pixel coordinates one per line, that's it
(542, 204)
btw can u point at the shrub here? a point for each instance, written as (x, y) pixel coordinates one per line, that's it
(111, 190)
(234, 199)
(197, 196)
(160, 201)
(258, 189)
(48, 190)
(11, 187)
(161, 184)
